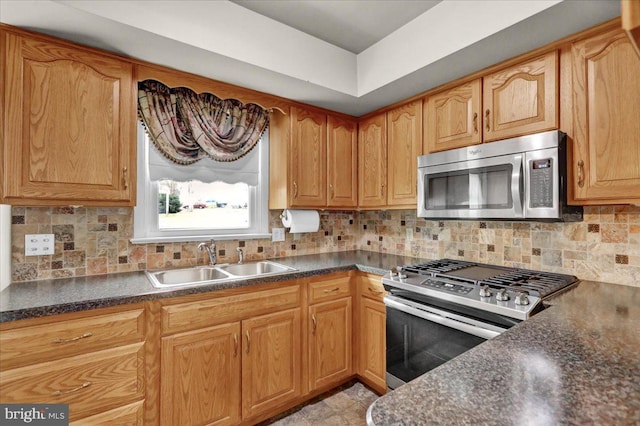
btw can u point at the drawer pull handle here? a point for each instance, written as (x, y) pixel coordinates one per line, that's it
(82, 386)
(487, 123)
(375, 291)
(333, 290)
(71, 339)
(580, 173)
(475, 122)
(248, 341)
(315, 324)
(295, 189)
(235, 345)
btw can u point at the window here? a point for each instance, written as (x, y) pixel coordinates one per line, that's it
(207, 199)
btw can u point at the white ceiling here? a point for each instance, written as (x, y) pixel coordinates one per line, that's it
(347, 56)
(353, 25)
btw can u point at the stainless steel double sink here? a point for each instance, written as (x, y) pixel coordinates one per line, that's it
(216, 274)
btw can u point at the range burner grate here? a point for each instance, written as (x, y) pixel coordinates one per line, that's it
(437, 267)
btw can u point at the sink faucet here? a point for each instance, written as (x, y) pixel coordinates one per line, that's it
(211, 251)
(240, 255)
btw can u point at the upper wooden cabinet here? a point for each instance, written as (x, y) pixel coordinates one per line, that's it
(453, 118)
(522, 99)
(372, 162)
(308, 158)
(606, 120)
(514, 101)
(630, 10)
(313, 160)
(404, 125)
(342, 162)
(388, 146)
(69, 133)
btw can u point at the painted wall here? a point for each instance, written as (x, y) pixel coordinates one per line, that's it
(90, 241)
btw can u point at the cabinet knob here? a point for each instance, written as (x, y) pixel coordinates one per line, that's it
(487, 113)
(125, 180)
(580, 173)
(235, 345)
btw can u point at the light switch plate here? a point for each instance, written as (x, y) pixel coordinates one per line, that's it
(38, 244)
(277, 234)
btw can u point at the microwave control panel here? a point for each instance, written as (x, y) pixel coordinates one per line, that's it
(541, 184)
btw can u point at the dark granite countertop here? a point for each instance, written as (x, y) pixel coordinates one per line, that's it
(48, 297)
(575, 363)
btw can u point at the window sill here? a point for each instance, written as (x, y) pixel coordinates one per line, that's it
(145, 240)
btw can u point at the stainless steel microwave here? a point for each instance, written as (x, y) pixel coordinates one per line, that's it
(523, 178)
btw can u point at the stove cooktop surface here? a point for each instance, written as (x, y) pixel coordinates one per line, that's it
(512, 292)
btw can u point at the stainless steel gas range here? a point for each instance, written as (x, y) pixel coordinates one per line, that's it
(439, 309)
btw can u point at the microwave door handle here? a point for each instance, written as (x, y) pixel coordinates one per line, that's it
(516, 183)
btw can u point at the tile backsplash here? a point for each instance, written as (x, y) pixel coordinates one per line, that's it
(91, 241)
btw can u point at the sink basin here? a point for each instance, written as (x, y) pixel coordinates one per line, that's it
(215, 274)
(263, 267)
(176, 277)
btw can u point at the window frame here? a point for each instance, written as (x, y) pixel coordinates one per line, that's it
(145, 213)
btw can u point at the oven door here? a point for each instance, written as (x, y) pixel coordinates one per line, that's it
(487, 188)
(421, 337)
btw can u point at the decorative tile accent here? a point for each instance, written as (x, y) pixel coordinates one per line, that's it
(622, 259)
(159, 249)
(17, 220)
(68, 246)
(593, 227)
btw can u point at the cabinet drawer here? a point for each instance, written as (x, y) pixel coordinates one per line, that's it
(46, 342)
(129, 415)
(370, 286)
(89, 383)
(330, 287)
(208, 312)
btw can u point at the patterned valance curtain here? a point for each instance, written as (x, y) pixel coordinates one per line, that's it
(187, 126)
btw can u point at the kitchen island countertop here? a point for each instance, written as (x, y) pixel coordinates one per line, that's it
(577, 362)
(33, 299)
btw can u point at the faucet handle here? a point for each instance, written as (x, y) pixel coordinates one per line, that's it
(240, 254)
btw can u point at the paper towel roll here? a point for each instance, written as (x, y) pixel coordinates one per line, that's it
(301, 220)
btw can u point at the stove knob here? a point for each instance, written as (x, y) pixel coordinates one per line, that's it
(400, 274)
(521, 299)
(502, 295)
(485, 291)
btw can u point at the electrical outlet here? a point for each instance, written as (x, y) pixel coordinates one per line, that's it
(38, 244)
(277, 234)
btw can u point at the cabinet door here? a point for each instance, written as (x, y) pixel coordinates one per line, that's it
(373, 343)
(606, 95)
(69, 125)
(522, 99)
(404, 146)
(200, 377)
(330, 342)
(271, 361)
(308, 158)
(453, 118)
(372, 162)
(342, 163)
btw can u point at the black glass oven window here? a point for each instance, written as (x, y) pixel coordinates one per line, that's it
(480, 188)
(416, 345)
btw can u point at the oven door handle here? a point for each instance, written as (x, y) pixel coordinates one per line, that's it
(434, 317)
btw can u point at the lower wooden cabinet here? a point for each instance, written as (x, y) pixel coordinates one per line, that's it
(200, 373)
(235, 371)
(271, 361)
(330, 346)
(93, 361)
(372, 344)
